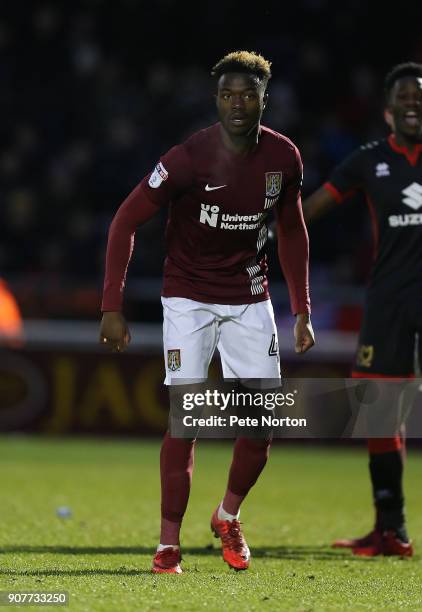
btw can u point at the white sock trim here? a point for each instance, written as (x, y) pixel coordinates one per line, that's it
(161, 547)
(225, 516)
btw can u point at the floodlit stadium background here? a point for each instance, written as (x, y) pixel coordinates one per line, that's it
(92, 93)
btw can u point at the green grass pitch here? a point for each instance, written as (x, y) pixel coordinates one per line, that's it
(102, 554)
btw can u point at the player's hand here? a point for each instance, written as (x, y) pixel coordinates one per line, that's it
(304, 334)
(114, 332)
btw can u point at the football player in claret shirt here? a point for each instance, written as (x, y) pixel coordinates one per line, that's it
(219, 187)
(389, 173)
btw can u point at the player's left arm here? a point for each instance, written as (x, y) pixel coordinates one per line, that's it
(293, 254)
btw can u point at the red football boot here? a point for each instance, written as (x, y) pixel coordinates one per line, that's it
(235, 550)
(167, 561)
(392, 545)
(388, 545)
(371, 539)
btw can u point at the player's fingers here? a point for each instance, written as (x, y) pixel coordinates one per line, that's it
(304, 343)
(121, 345)
(115, 346)
(308, 342)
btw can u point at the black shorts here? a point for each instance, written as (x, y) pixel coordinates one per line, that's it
(387, 340)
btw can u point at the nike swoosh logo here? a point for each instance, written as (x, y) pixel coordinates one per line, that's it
(208, 188)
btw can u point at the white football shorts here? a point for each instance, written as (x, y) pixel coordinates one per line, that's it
(245, 335)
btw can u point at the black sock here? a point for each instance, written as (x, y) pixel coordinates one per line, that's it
(386, 471)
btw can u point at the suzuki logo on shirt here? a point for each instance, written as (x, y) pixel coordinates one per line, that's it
(209, 214)
(414, 196)
(405, 220)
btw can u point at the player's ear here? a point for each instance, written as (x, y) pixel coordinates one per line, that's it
(389, 119)
(265, 100)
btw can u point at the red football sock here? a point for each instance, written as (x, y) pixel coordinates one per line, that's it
(249, 459)
(384, 445)
(176, 467)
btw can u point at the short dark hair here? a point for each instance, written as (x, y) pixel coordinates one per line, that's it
(407, 69)
(244, 61)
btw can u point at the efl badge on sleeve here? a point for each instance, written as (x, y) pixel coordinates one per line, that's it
(159, 175)
(272, 184)
(173, 360)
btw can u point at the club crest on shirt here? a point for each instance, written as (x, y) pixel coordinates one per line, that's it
(365, 355)
(272, 184)
(174, 361)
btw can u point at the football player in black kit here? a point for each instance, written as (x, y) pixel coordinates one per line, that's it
(389, 173)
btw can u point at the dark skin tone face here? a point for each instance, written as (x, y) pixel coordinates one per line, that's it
(404, 111)
(240, 103)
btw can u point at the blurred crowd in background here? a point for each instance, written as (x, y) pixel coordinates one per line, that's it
(94, 91)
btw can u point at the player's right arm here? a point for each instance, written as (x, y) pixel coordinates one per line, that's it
(134, 211)
(171, 176)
